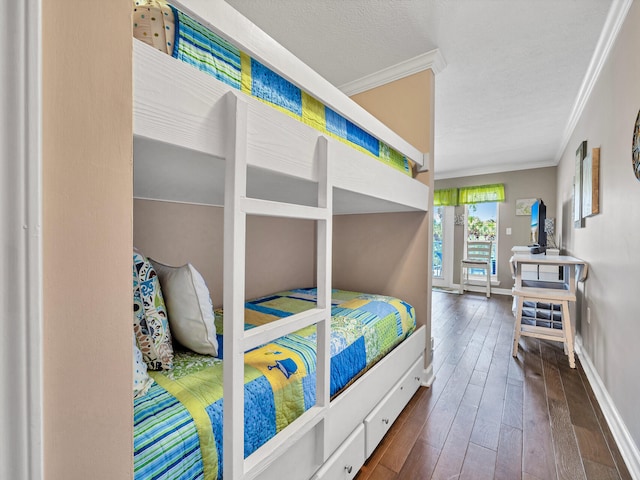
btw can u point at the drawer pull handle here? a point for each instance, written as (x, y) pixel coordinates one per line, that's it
(385, 421)
(348, 468)
(417, 379)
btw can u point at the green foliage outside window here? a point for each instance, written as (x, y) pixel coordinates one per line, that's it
(478, 229)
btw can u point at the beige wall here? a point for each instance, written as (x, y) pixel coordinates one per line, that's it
(87, 184)
(390, 253)
(406, 106)
(609, 241)
(383, 253)
(534, 183)
(280, 251)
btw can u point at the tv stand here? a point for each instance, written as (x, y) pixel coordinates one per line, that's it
(551, 324)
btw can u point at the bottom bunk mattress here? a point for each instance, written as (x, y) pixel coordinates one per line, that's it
(178, 423)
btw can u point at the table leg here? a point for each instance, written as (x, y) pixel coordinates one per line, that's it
(517, 325)
(488, 270)
(568, 333)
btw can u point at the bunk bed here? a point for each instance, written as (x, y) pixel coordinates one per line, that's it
(200, 140)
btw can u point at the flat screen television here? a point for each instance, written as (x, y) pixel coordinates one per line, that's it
(538, 216)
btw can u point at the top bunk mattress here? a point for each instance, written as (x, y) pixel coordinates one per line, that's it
(175, 33)
(178, 422)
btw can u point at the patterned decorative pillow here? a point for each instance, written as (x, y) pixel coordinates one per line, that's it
(189, 306)
(152, 329)
(141, 379)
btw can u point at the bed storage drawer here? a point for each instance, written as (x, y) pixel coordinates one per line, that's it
(346, 460)
(382, 417)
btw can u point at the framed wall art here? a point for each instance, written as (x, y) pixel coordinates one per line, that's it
(523, 206)
(591, 183)
(635, 148)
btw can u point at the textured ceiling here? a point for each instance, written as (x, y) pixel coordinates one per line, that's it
(514, 67)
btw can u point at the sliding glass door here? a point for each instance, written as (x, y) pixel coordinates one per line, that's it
(442, 246)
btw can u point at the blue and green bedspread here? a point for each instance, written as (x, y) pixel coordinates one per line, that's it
(200, 47)
(178, 423)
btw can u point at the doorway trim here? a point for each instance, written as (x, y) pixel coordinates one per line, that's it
(448, 242)
(21, 412)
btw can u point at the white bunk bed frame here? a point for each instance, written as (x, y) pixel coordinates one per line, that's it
(273, 165)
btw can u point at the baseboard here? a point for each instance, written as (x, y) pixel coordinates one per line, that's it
(628, 449)
(501, 291)
(428, 376)
(452, 290)
(483, 289)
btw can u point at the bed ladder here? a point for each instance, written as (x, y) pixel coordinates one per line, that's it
(236, 341)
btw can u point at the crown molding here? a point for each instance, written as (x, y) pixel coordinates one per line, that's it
(612, 25)
(433, 60)
(490, 169)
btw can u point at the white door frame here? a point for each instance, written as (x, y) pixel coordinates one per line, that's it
(21, 435)
(447, 250)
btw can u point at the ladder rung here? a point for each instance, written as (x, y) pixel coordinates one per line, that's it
(270, 451)
(255, 206)
(265, 333)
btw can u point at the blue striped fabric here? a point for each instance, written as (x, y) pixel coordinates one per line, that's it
(198, 46)
(363, 316)
(166, 441)
(303, 346)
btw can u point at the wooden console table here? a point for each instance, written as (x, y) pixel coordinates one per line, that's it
(549, 321)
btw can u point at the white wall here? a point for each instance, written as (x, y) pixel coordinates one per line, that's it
(609, 241)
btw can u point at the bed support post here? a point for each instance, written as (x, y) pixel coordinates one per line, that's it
(323, 282)
(234, 284)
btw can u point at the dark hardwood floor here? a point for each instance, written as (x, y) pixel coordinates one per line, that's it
(489, 415)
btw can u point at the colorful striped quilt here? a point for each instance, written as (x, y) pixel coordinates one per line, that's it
(207, 51)
(178, 423)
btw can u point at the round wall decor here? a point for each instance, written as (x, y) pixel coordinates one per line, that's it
(635, 149)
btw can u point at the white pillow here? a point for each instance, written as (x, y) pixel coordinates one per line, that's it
(141, 379)
(191, 317)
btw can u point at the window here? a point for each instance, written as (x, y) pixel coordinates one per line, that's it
(482, 224)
